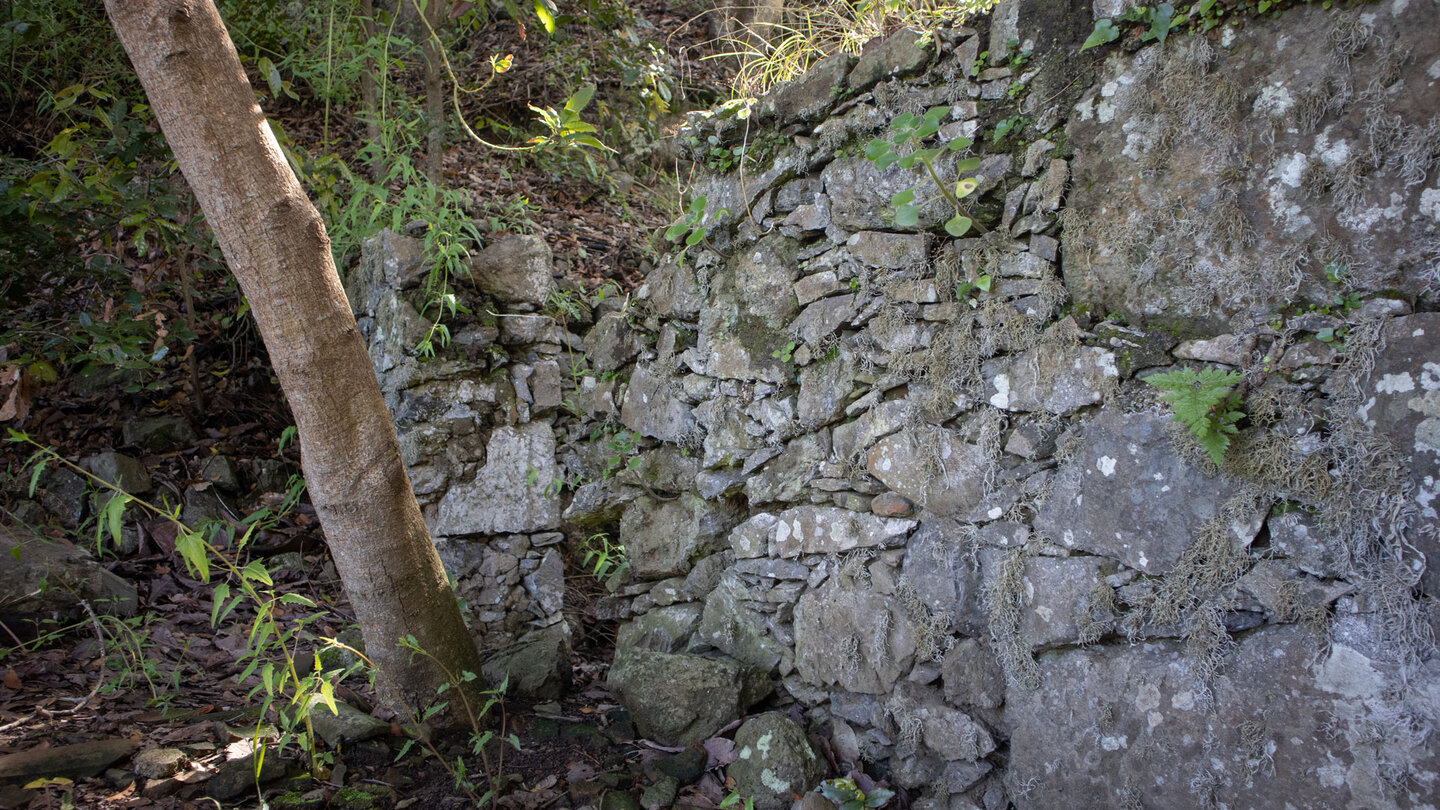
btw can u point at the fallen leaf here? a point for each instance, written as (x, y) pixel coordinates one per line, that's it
(12, 681)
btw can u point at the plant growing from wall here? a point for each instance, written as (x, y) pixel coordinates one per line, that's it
(909, 132)
(1205, 402)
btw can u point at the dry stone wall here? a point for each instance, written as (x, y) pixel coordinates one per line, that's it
(915, 487)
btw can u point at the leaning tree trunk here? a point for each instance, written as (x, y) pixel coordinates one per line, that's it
(275, 243)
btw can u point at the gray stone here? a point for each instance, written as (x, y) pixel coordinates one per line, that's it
(1111, 718)
(345, 724)
(546, 585)
(822, 318)
(78, 761)
(858, 640)
(853, 438)
(1402, 403)
(651, 407)
(1055, 596)
(219, 471)
(773, 761)
(1031, 441)
(661, 793)
(203, 505)
(238, 777)
(509, 493)
(860, 193)
(948, 732)
(814, 287)
(932, 467)
(815, 530)
(1050, 377)
(388, 262)
(537, 666)
(120, 470)
(972, 675)
(1048, 191)
(1230, 350)
(672, 289)
(611, 343)
(50, 576)
(904, 53)
(679, 698)
(706, 574)
(161, 763)
(808, 98)
(516, 269)
(665, 538)
(1034, 155)
(158, 433)
(731, 626)
(1301, 539)
(665, 629)
(891, 251)
(824, 388)
(784, 478)
(1154, 501)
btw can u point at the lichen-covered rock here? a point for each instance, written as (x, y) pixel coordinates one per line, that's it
(1122, 722)
(731, 625)
(509, 493)
(665, 629)
(1154, 500)
(1051, 377)
(773, 761)
(855, 639)
(903, 53)
(50, 576)
(1401, 401)
(679, 698)
(932, 467)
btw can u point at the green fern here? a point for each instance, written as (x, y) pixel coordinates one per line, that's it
(1205, 402)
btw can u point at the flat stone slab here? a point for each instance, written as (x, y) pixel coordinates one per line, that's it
(79, 761)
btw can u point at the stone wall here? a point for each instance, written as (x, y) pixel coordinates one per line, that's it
(915, 485)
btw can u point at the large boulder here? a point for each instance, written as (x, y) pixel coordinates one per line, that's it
(679, 698)
(515, 270)
(1154, 500)
(512, 492)
(45, 576)
(773, 761)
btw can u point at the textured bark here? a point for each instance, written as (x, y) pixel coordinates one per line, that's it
(275, 243)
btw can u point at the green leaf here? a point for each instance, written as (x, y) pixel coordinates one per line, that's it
(222, 592)
(967, 165)
(192, 549)
(696, 237)
(327, 696)
(907, 216)
(547, 19)
(876, 148)
(1160, 22)
(111, 516)
(958, 225)
(964, 188)
(1105, 31)
(581, 99)
(903, 197)
(255, 571)
(983, 283)
(296, 599)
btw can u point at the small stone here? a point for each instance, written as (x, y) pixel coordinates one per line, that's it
(220, 471)
(1034, 155)
(774, 760)
(1230, 350)
(1046, 247)
(345, 724)
(158, 433)
(79, 761)
(892, 505)
(661, 793)
(237, 776)
(159, 763)
(120, 470)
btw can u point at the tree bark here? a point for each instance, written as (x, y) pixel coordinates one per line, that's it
(369, 97)
(434, 90)
(276, 245)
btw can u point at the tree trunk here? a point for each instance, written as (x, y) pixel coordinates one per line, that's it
(275, 243)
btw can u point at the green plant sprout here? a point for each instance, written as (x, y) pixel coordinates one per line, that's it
(689, 227)
(912, 130)
(1205, 402)
(785, 353)
(603, 558)
(965, 288)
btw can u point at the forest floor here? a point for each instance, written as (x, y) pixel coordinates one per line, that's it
(94, 692)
